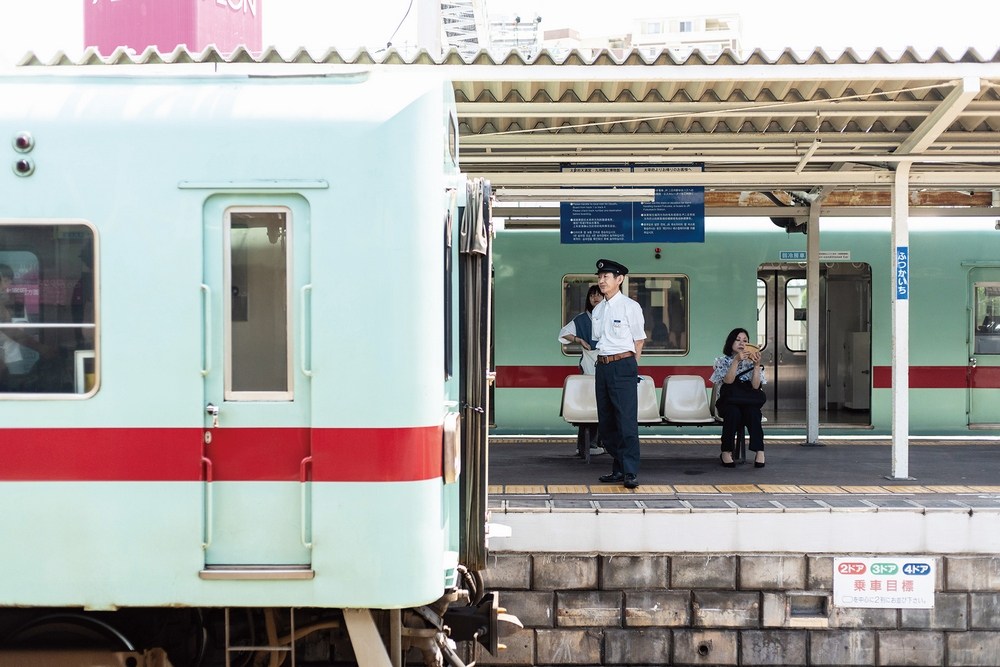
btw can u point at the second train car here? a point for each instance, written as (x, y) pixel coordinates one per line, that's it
(749, 273)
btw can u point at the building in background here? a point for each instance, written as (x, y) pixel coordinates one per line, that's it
(195, 24)
(681, 35)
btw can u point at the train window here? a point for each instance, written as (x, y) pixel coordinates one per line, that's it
(663, 299)
(761, 314)
(47, 309)
(795, 314)
(987, 318)
(574, 302)
(258, 311)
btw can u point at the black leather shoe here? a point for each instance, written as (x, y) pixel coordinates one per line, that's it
(727, 464)
(631, 482)
(612, 477)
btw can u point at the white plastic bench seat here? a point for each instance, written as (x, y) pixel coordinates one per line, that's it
(579, 400)
(684, 400)
(649, 409)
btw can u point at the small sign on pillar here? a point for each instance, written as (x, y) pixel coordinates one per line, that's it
(902, 273)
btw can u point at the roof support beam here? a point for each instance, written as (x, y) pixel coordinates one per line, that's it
(744, 179)
(942, 117)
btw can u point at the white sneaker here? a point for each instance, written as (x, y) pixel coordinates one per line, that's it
(595, 450)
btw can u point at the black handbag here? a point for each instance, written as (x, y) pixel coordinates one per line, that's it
(742, 393)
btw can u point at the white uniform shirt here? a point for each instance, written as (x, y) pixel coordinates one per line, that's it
(618, 323)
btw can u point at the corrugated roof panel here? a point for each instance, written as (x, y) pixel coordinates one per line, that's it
(758, 113)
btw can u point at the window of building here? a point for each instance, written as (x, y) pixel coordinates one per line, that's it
(48, 321)
(664, 302)
(652, 27)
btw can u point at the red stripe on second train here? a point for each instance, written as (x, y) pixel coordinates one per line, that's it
(236, 454)
(940, 377)
(921, 377)
(548, 377)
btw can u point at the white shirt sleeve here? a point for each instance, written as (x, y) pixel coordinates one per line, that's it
(567, 333)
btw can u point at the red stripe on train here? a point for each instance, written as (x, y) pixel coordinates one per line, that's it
(548, 377)
(941, 377)
(236, 454)
(921, 377)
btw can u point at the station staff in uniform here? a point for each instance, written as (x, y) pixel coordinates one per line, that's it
(620, 331)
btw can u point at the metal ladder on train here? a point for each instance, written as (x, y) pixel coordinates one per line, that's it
(230, 649)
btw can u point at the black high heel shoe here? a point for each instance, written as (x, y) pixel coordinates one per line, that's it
(731, 464)
(759, 464)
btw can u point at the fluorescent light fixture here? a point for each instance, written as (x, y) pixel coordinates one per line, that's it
(575, 194)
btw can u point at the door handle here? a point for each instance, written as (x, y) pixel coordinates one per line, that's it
(206, 304)
(972, 362)
(213, 412)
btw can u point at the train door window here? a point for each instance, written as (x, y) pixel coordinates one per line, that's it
(664, 302)
(987, 318)
(761, 314)
(795, 314)
(574, 302)
(48, 321)
(258, 312)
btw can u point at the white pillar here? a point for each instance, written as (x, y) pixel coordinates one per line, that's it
(901, 323)
(812, 325)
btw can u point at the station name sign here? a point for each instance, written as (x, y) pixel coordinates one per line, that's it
(676, 214)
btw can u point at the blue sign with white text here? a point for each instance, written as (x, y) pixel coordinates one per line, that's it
(677, 215)
(902, 272)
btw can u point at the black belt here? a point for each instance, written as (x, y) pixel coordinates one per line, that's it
(601, 359)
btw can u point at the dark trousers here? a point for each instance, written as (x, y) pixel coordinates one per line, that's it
(618, 413)
(734, 418)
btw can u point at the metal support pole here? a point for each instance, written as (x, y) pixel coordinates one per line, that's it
(812, 325)
(901, 323)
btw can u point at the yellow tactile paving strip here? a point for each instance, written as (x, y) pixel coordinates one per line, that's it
(730, 489)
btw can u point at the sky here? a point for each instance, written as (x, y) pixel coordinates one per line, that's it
(49, 26)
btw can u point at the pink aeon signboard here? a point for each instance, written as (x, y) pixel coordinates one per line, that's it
(166, 24)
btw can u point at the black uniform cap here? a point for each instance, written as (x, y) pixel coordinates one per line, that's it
(611, 266)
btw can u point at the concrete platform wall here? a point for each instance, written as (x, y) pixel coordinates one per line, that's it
(734, 609)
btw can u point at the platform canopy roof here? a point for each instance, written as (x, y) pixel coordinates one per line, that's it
(769, 134)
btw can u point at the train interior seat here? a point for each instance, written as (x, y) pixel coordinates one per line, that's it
(684, 400)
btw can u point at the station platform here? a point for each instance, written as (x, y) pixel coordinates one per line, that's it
(674, 466)
(833, 497)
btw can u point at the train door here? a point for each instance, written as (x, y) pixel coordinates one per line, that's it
(845, 342)
(984, 350)
(257, 391)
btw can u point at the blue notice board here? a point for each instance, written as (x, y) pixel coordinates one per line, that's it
(676, 215)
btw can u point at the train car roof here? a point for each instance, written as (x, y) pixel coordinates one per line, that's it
(769, 133)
